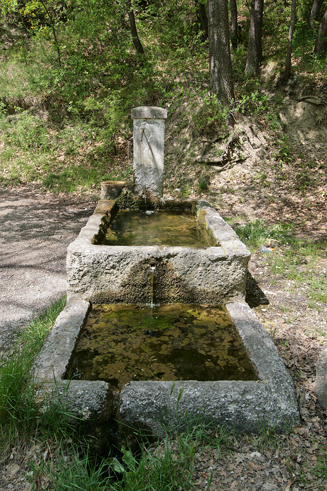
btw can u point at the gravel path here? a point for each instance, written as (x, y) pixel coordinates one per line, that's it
(35, 230)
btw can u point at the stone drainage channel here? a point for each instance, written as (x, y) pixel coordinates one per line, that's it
(217, 273)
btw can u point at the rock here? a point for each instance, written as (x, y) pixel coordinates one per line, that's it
(269, 486)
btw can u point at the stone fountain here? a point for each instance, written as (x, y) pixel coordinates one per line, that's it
(212, 275)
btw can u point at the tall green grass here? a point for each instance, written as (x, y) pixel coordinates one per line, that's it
(166, 466)
(19, 414)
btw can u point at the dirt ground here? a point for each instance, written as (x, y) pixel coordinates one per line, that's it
(35, 230)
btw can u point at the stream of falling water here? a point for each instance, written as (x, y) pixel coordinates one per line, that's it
(151, 273)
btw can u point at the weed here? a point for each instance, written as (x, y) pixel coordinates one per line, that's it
(210, 117)
(320, 469)
(284, 344)
(203, 185)
(258, 233)
(222, 437)
(267, 436)
(27, 132)
(70, 469)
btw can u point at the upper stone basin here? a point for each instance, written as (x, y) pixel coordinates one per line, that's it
(108, 274)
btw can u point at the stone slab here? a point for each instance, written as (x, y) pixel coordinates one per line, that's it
(148, 155)
(148, 112)
(53, 360)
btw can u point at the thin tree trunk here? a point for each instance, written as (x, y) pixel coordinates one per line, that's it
(316, 6)
(53, 30)
(288, 65)
(259, 37)
(136, 41)
(233, 30)
(202, 15)
(255, 34)
(220, 66)
(321, 41)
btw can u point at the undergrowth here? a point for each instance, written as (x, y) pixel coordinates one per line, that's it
(296, 259)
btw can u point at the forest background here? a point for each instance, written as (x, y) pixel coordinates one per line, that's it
(70, 72)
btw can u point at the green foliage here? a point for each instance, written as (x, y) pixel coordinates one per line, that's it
(295, 258)
(203, 185)
(284, 152)
(167, 467)
(3, 111)
(71, 469)
(320, 469)
(254, 103)
(26, 131)
(258, 232)
(210, 116)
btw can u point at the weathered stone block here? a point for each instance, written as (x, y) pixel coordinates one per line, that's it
(148, 149)
(108, 274)
(320, 385)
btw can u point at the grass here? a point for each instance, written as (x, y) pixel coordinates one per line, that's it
(168, 465)
(19, 415)
(296, 259)
(320, 469)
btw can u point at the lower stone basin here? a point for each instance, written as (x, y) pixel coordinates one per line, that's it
(124, 343)
(245, 406)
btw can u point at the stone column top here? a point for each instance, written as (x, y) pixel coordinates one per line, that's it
(149, 112)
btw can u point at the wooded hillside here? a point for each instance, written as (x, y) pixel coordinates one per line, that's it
(72, 70)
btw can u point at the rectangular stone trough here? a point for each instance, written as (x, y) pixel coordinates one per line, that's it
(110, 274)
(246, 406)
(215, 275)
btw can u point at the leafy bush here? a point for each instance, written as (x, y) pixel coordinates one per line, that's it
(210, 117)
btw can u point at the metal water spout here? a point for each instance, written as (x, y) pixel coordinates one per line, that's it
(148, 148)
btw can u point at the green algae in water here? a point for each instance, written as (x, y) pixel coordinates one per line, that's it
(162, 228)
(120, 343)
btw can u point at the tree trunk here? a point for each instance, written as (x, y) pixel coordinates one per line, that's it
(136, 41)
(316, 6)
(288, 65)
(202, 15)
(255, 34)
(220, 65)
(233, 30)
(321, 41)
